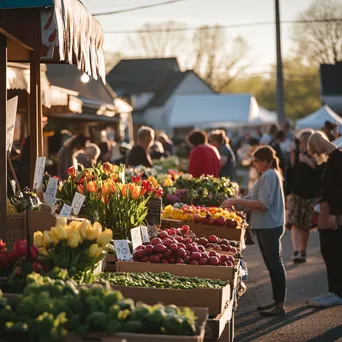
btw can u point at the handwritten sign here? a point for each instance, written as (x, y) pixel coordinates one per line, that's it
(122, 250)
(77, 203)
(144, 233)
(154, 212)
(11, 113)
(136, 237)
(39, 173)
(51, 191)
(65, 211)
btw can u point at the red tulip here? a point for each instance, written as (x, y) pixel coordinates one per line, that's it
(34, 250)
(21, 247)
(37, 267)
(158, 193)
(4, 260)
(72, 172)
(136, 179)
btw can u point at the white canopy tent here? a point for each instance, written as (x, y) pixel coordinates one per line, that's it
(317, 119)
(213, 110)
(264, 117)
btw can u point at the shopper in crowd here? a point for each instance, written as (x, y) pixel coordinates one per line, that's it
(269, 136)
(167, 143)
(219, 140)
(157, 150)
(105, 151)
(305, 191)
(329, 130)
(66, 157)
(330, 219)
(140, 154)
(204, 159)
(266, 202)
(279, 137)
(89, 156)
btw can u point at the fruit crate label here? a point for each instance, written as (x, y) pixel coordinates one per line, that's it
(77, 203)
(51, 191)
(122, 250)
(39, 173)
(144, 233)
(65, 211)
(154, 212)
(136, 237)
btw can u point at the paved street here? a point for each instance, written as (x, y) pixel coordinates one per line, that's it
(304, 281)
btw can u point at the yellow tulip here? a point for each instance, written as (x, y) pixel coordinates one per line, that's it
(105, 237)
(53, 235)
(43, 251)
(73, 240)
(94, 250)
(47, 237)
(83, 229)
(38, 239)
(61, 232)
(98, 228)
(61, 221)
(136, 192)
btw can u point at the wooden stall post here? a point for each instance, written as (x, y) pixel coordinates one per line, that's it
(35, 140)
(3, 136)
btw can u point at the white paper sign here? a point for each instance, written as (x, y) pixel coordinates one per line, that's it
(39, 173)
(144, 233)
(136, 237)
(122, 250)
(65, 211)
(51, 191)
(11, 113)
(77, 203)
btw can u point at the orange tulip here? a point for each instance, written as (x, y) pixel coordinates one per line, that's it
(91, 186)
(124, 190)
(80, 189)
(136, 192)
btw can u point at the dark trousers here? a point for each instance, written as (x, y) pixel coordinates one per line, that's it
(331, 249)
(270, 246)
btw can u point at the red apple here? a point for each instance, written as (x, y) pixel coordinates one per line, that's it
(212, 238)
(213, 253)
(223, 258)
(174, 247)
(164, 261)
(156, 241)
(195, 256)
(160, 248)
(194, 249)
(186, 259)
(181, 252)
(203, 261)
(155, 259)
(214, 261)
(149, 249)
(163, 235)
(145, 259)
(193, 262)
(205, 255)
(179, 261)
(201, 248)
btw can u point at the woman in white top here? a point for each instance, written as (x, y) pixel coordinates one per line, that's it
(266, 202)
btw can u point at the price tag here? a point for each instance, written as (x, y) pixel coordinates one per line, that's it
(122, 250)
(136, 237)
(11, 114)
(39, 173)
(65, 211)
(51, 191)
(77, 203)
(144, 233)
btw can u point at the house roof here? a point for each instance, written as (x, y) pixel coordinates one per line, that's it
(69, 77)
(331, 79)
(134, 76)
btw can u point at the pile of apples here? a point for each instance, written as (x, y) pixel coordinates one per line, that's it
(172, 248)
(217, 244)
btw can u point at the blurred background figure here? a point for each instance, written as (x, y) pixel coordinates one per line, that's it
(89, 156)
(140, 154)
(157, 150)
(105, 152)
(305, 191)
(66, 157)
(269, 135)
(167, 143)
(330, 130)
(219, 140)
(204, 159)
(278, 139)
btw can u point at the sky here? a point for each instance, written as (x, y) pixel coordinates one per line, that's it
(261, 39)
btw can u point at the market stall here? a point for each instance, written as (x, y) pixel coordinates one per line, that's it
(59, 31)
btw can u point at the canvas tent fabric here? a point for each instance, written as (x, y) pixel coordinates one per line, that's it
(317, 119)
(264, 117)
(212, 110)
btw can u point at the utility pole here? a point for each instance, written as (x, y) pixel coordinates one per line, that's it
(280, 78)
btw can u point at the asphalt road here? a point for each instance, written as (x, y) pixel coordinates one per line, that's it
(304, 282)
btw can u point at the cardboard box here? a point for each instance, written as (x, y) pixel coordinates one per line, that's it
(216, 328)
(212, 272)
(202, 316)
(214, 299)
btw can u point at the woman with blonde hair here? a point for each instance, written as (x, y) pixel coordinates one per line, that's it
(266, 202)
(330, 217)
(305, 191)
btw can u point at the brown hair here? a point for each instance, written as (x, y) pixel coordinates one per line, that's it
(220, 136)
(267, 153)
(197, 138)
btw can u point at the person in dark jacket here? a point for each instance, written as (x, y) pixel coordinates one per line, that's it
(330, 221)
(140, 154)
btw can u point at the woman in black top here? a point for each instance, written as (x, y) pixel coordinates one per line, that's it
(305, 192)
(330, 222)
